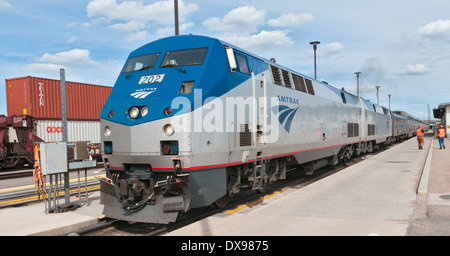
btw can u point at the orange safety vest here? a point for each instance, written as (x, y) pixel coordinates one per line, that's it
(441, 132)
(419, 133)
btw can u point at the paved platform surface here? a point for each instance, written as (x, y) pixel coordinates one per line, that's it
(378, 196)
(32, 220)
(402, 191)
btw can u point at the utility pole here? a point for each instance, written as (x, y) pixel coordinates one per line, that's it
(378, 99)
(357, 83)
(62, 75)
(389, 95)
(177, 32)
(314, 44)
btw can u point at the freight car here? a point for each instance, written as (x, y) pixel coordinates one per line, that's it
(18, 134)
(40, 99)
(19, 152)
(192, 120)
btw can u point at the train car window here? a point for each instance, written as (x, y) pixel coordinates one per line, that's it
(286, 78)
(187, 57)
(186, 87)
(374, 108)
(310, 87)
(142, 62)
(242, 63)
(276, 75)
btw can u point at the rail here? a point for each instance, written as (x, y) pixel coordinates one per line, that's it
(27, 194)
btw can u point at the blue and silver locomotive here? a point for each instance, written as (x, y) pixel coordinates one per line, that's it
(192, 120)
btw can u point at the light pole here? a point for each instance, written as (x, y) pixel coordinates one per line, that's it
(389, 95)
(314, 44)
(378, 100)
(175, 2)
(357, 83)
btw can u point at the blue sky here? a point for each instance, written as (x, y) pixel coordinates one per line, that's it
(402, 46)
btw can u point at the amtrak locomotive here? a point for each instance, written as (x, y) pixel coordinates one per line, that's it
(193, 120)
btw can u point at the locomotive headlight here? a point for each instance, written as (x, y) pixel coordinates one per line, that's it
(144, 111)
(107, 131)
(134, 112)
(168, 130)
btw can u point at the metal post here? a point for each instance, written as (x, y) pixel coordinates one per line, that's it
(389, 95)
(357, 83)
(79, 187)
(378, 98)
(64, 133)
(314, 44)
(85, 186)
(177, 32)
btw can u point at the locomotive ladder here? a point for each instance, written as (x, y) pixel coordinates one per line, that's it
(259, 173)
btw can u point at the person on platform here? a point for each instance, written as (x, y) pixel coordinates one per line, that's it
(441, 135)
(419, 134)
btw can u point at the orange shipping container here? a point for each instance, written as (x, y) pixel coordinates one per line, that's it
(41, 97)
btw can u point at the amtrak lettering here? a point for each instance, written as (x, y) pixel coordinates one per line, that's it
(287, 99)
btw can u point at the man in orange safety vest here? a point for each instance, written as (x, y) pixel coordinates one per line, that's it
(419, 134)
(441, 135)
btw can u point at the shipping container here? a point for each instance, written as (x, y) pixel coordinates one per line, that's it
(51, 131)
(41, 98)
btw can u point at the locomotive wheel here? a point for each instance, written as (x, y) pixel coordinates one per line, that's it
(222, 202)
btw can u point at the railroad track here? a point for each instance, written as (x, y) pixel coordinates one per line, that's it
(6, 174)
(12, 197)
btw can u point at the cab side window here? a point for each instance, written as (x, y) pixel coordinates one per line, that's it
(242, 63)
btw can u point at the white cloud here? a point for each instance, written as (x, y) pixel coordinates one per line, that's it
(75, 57)
(290, 19)
(264, 40)
(136, 18)
(242, 20)
(5, 4)
(51, 63)
(136, 11)
(141, 35)
(244, 27)
(47, 68)
(330, 49)
(437, 30)
(414, 69)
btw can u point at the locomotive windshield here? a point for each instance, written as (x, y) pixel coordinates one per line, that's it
(142, 62)
(186, 57)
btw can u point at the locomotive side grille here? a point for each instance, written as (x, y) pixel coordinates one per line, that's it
(245, 137)
(371, 129)
(299, 83)
(310, 87)
(276, 74)
(286, 79)
(353, 130)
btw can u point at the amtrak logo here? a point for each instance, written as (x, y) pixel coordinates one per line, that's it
(142, 93)
(286, 115)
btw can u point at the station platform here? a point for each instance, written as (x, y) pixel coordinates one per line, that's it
(32, 220)
(391, 193)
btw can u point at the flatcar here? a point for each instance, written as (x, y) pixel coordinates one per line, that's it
(192, 120)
